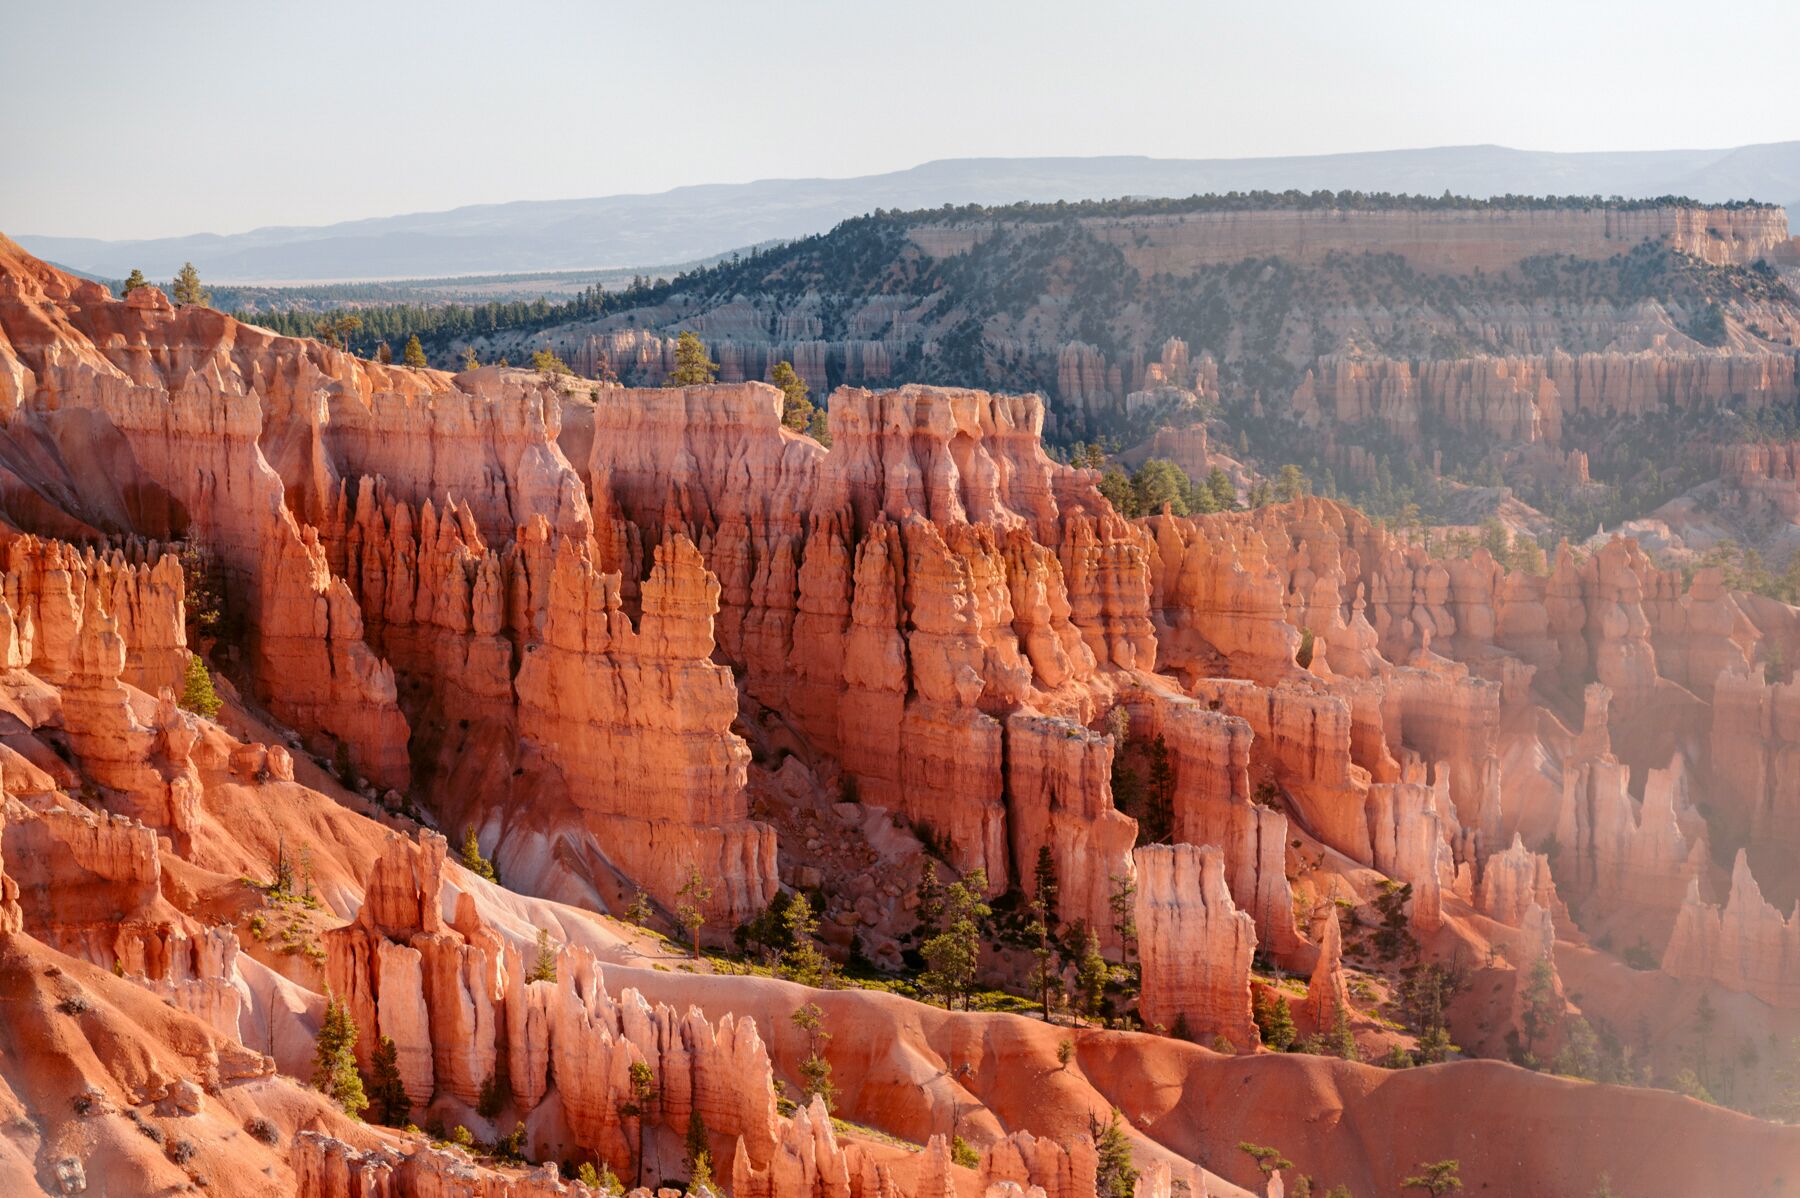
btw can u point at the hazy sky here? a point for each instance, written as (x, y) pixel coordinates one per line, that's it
(147, 119)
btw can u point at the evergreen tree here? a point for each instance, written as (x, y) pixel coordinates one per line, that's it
(334, 1059)
(697, 1153)
(818, 427)
(543, 968)
(1218, 483)
(638, 911)
(1274, 1019)
(1437, 1179)
(1045, 976)
(1435, 1046)
(640, 1104)
(472, 859)
(954, 954)
(815, 1070)
(796, 404)
(1158, 824)
(186, 288)
(1160, 483)
(803, 961)
(469, 360)
(1091, 973)
(133, 281)
(546, 363)
(1122, 900)
(414, 353)
(691, 912)
(388, 1100)
(335, 330)
(1045, 887)
(1116, 486)
(1267, 1159)
(692, 367)
(1114, 1176)
(384, 353)
(1541, 1009)
(930, 907)
(197, 694)
(1290, 484)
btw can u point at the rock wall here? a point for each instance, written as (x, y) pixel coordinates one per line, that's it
(1528, 398)
(1194, 945)
(1746, 946)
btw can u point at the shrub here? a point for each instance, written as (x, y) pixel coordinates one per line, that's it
(263, 1131)
(182, 1151)
(75, 1004)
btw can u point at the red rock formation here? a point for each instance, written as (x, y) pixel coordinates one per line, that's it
(1526, 399)
(1194, 945)
(1746, 946)
(1059, 796)
(456, 1000)
(1621, 862)
(1327, 993)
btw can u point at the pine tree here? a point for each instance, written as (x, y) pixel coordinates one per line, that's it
(1274, 1019)
(469, 360)
(388, 1100)
(692, 367)
(640, 1104)
(197, 694)
(543, 969)
(815, 1070)
(133, 281)
(930, 906)
(803, 961)
(1290, 483)
(1223, 493)
(384, 353)
(1046, 889)
(1091, 973)
(334, 1059)
(547, 363)
(472, 859)
(954, 954)
(1267, 1159)
(1114, 1176)
(796, 403)
(1436, 1179)
(697, 1153)
(1159, 796)
(187, 289)
(1045, 976)
(638, 910)
(691, 913)
(818, 427)
(1123, 902)
(414, 353)
(335, 330)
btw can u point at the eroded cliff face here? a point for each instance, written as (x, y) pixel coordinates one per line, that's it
(582, 626)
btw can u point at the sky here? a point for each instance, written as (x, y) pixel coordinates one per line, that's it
(127, 119)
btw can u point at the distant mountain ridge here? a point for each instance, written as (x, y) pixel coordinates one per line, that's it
(698, 221)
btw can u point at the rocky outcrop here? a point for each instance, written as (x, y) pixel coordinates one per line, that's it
(1623, 863)
(147, 764)
(1746, 946)
(462, 1007)
(1194, 945)
(1513, 881)
(1327, 992)
(1059, 797)
(1527, 399)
